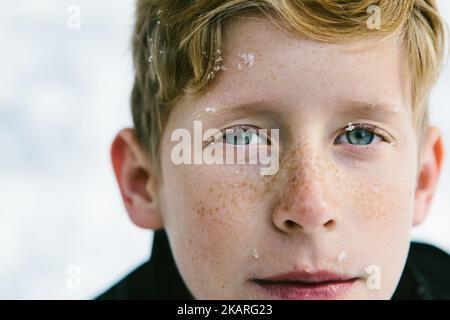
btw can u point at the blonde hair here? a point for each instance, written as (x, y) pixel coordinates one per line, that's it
(176, 43)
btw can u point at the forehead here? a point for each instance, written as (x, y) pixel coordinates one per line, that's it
(264, 60)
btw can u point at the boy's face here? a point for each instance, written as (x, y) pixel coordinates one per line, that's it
(343, 199)
(337, 206)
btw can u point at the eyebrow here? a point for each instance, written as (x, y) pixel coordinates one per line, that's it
(224, 111)
(352, 108)
(362, 109)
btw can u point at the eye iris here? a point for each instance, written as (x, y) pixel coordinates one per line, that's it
(360, 136)
(239, 137)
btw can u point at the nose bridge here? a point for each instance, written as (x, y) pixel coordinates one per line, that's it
(307, 180)
(305, 204)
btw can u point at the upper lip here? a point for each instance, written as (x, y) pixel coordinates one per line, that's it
(308, 277)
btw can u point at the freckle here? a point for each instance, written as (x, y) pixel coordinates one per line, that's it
(201, 211)
(243, 184)
(273, 76)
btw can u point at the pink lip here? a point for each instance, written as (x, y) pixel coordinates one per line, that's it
(305, 285)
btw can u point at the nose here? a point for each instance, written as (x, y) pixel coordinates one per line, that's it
(305, 206)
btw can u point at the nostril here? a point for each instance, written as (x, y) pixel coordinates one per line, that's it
(330, 223)
(291, 224)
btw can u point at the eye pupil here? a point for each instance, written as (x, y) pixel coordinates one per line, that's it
(360, 136)
(239, 137)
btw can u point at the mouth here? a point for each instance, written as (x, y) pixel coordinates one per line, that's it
(306, 285)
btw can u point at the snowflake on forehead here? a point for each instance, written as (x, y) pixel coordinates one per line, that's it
(247, 58)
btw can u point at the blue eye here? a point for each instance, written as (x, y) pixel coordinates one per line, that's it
(239, 136)
(360, 136)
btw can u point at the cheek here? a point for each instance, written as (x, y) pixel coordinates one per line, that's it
(382, 199)
(212, 221)
(383, 195)
(382, 216)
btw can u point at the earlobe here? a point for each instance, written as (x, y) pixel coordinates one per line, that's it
(136, 181)
(430, 167)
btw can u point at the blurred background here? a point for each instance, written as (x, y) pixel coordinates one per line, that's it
(65, 80)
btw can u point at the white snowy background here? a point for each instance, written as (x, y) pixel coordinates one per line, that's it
(64, 93)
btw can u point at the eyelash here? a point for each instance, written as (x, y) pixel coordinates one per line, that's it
(222, 134)
(384, 136)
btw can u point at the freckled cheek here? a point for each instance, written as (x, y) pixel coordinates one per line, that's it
(224, 217)
(217, 221)
(214, 227)
(382, 200)
(203, 242)
(382, 217)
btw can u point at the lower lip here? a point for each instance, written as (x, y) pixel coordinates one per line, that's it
(307, 291)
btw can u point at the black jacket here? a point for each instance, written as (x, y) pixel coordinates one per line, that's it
(426, 276)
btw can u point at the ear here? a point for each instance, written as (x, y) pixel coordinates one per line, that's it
(136, 181)
(429, 170)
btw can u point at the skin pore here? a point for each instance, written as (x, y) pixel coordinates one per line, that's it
(332, 205)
